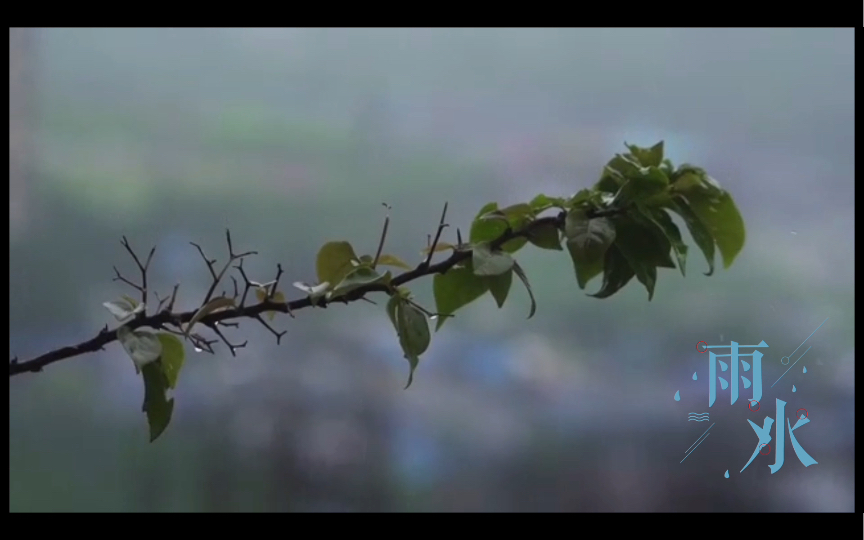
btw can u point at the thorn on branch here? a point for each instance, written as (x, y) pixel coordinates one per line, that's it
(231, 346)
(383, 235)
(268, 327)
(170, 306)
(441, 226)
(142, 268)
(248, 283)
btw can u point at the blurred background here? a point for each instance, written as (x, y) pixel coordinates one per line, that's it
(294, 137)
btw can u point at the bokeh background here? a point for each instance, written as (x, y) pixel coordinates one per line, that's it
(293, 137)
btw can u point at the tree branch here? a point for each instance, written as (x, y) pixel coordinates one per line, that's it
(165, 316)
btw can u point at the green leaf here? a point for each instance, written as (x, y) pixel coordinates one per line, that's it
(393, 260)
(650, 183)
(156, 405)
(412, 328)
(489, 263)
(616, 173)
(335, 261)
(359, 277)
(643, 249)
(700, 233)
(648, 157)
(172, 357)
(546, 236)
(143, 347)
(582, 196)
(717, 211)
(216, 304)
(587, 241)
(524, 278)
(456, 288)
(664, 224)
(542, 202)
(616, 273)
(487, 230)
(499, 286)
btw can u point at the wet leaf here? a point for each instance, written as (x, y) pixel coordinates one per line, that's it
(700, 233)
(456, 288)
(587, 241)
(616, 273)
(664, 224)
(717, 211)
(643, 249)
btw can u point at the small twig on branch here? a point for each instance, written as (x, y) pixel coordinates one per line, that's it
(383, 236)
(441, 226)
(231, 346)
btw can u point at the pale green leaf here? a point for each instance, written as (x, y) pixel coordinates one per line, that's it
(142, 346)
(124, 309)
(335, 261)
(216, 304)
(489, 263)
(171, 358)
(393, 260)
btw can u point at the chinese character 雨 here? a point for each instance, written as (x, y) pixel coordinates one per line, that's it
(734, 359)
